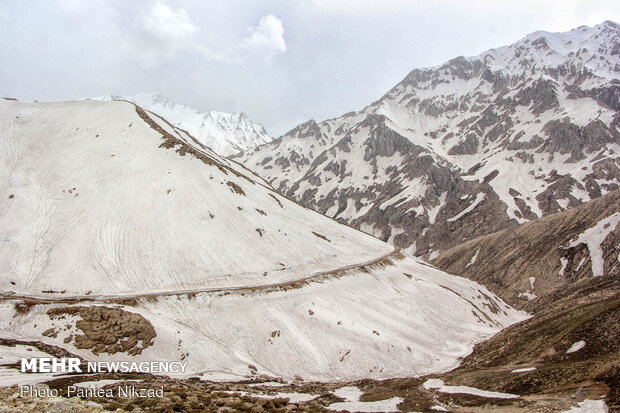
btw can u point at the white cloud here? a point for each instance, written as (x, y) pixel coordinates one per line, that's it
(162, 32)
(170, 26)
(265, 40)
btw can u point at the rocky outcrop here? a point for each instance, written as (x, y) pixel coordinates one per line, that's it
(566, 137)
(108, 330)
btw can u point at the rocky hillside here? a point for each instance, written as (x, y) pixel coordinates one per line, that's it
(466, 148)
(563, 358)
(539, 262)
(225, 133)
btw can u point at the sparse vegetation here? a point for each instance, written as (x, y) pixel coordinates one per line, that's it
(235, 188)
(22, 307)
(171, 142)
(277, 200)
(321, 236)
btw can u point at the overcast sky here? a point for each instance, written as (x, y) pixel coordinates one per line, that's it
(280, 61)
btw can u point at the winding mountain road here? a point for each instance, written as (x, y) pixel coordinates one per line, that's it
(33, 299)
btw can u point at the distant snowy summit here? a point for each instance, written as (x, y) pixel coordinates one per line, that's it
(225, 133)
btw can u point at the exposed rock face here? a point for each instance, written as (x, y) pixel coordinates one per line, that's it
(538, 263)
(466, 148)
(109, 330)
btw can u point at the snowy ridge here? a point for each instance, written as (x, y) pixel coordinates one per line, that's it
(225, 133)
(70, 204)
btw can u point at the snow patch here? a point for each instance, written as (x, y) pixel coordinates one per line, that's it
(576, 347)
(352, 396)
(432, 213)
(470, 208)
(437, 384)
(593, 237)
(564, 263)
(269, 384)
(523, 370)
(530, 296)
(473, 259)
(589, 406)
(563, 203)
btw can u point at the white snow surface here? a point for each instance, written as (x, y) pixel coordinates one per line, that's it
(563, 264)
(593, 237)
(225, 133)
(14, 354)
(352, 396)
(589, 406)
(576, 346)
(100, 210)
(473, 259)
(377, 324)
(523, 370)
(437, 384)
(469, 208)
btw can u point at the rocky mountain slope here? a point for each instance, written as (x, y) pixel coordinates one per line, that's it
(123, 238)
(224, 133)
(565, 269)
(466, 148)
(538, 263)
(564, 359)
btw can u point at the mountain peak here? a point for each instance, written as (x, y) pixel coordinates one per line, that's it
(225, 133)
(610, 25)
(467, 147)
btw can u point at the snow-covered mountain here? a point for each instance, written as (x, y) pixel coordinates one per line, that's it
(225, 133)
(466, 148)
(123, 238)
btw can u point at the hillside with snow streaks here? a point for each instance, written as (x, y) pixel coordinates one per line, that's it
(116, 210)
(225, 133)
(108, 213)
(515, 133)
(541, 262)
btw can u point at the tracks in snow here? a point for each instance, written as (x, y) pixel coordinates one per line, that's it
(31, 299)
